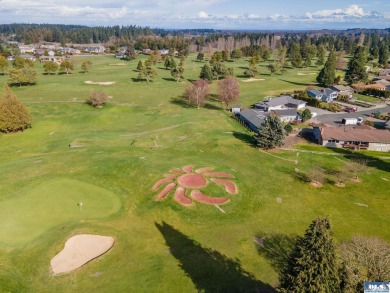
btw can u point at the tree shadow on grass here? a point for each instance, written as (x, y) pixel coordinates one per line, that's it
(212, 106)
(209, 270)
(293, 82)
(181, 101)
(248, 139)
(169, 79)
(134, 79)
(276, 248)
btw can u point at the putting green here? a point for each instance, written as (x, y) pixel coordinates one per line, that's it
(25, 217)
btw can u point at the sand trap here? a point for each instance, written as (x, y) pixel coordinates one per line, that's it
(253, 79)
(79, 250)
(306, 73)
(100, 83)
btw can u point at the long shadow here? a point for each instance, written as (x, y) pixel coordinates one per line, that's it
(181, 101)
(293, 82)
(276, 248)
(169, 79)
(212, 107)
(209, 270)
(138, 79)
(248, 139)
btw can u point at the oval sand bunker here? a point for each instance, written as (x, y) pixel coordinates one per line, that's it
(79, 250)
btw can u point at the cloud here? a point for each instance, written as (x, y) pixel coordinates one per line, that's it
(203, 14)
(179, 14)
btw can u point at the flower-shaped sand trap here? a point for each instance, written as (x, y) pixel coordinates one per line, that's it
(186, 178)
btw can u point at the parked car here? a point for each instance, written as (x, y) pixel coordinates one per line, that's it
(352, 110)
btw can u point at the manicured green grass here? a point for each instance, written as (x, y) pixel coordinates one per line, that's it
(33, 211)
(125, 148)
(367, 98)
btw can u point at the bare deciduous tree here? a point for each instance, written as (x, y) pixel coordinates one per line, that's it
(357, 166)
(228, 90)
(97, 99)
(365, 259)
(197, 92)
(316, 175)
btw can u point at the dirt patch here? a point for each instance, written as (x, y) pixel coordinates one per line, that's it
(192, 181)
(181, 198)
(339, 184)
(199, 196)
(79, 250)
(307, 73)
(253, 79)
(166, 190)
(230, 187)
(316, 184)
(161, 182)
(100, 82)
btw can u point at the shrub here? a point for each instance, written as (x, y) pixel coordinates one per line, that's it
(97, 99)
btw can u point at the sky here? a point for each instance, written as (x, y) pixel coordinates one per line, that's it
(215, 14)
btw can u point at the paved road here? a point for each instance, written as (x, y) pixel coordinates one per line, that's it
(335, 118)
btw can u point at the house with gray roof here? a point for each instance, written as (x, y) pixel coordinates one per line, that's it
(324, 95)
(252, 118)
(280, 103)
(343, 90)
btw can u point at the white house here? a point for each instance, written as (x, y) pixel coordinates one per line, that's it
(324, 95)
(280, 103)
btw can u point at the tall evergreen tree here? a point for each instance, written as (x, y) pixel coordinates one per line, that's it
(356, 70)
(13, 114)
(327, 75)
(313, 265)
(295, 55)
(321, 52)
(206, 73)
(271, 133)
(384, 54)
(130, 53)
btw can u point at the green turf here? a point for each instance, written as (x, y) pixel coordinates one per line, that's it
(33, 211)
(125, 148)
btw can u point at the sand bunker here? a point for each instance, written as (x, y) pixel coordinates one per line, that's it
(99, 83)
(79, 250)
(253, 79)
(306, 73)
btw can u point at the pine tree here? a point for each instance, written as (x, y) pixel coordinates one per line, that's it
(271, 133)
(13, 114)
(140, 65)
(327, 75)
(313, 265)
(384, 54)
(206, 73)
(295, 55)
(321, 52)
(130, 53)
(356, 70)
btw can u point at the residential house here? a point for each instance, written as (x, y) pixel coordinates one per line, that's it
(280, 103)
(286, 116)
(382, 82)
(95, 49)
(353, 138)
(252, 118)
(324, 95)
(164, 52)
(28, 57)
(343, 90)
(120, 55)
(26, 49)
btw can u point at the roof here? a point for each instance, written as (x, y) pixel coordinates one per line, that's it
(342, 88)
(315, 92)
(253, 116)
(377, 86)
(355, 134)
(383, 82)
(279, 101)
(288, 112)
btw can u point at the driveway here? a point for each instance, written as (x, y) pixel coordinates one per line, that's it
(335, 118)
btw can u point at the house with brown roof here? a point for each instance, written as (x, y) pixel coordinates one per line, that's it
(353, 138)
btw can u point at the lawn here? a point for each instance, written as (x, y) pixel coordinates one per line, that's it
(124, 148)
